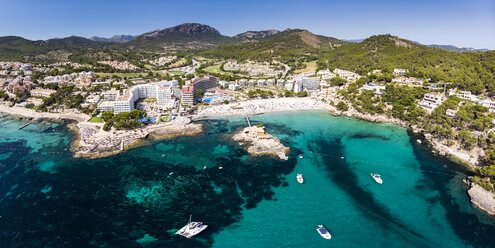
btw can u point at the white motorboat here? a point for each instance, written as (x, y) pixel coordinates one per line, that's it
(300, 156)
(300, 178)
(377, 178)
(323, 232)
(191, 229)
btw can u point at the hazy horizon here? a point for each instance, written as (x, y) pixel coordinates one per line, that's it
(460, 23)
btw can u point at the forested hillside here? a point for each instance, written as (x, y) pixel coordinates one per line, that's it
(469, 71)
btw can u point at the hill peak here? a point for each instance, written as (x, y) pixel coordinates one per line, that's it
(255, 36)
(379, 41)
(185, 28)
(306, 37)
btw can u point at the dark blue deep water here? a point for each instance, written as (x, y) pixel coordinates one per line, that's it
(49, 199)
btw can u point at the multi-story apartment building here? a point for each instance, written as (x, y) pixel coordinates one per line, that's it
(42, 92)
(188, 98)
(163, 91)
(310, 83)
(111, 95)
(431, 100)
(204, 84)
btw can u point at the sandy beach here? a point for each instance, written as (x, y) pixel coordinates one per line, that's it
(258, 106)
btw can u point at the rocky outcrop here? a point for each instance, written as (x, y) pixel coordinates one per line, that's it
(483, 199)
(258, 142)
(92, 142)
(255, 36)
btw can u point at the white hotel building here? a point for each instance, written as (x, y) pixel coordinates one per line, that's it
(163, 91)
(431, 101)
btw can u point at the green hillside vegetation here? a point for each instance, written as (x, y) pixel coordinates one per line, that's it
(467, 71)
(288, 46)
(473, 71)
(177, 41)
(13, 48)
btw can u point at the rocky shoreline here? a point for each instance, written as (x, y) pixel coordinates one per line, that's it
(257, 147)
(470, 159)
(481, 198)
(84, 145)
(122, 141)
(29, 113)
(257, 142)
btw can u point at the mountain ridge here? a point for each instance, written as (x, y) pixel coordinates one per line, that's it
(451, 48)
(120, 38)
(188, 37)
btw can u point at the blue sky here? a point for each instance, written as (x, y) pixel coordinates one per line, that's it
(468, 23)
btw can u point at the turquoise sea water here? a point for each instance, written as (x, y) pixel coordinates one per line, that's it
(48, 199)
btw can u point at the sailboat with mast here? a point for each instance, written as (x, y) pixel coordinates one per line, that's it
(191, 229)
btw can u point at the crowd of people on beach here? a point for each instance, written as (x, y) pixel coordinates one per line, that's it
(91, 138)
(262, 106)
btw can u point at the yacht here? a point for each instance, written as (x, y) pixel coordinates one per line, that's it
(300, 178)
(377, 178)
(323, 232)
(191, 229)
(300, 156)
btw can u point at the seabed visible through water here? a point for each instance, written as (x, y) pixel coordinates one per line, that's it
(49, 199)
